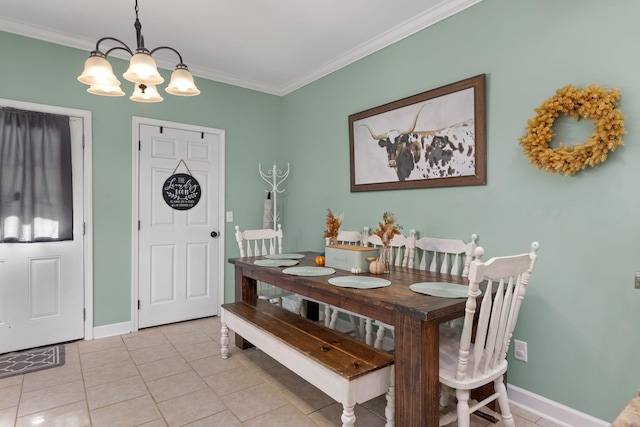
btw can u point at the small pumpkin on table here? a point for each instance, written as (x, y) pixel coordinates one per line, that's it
(376, 267)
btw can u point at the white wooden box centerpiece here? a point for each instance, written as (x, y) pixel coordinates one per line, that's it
(346, 257)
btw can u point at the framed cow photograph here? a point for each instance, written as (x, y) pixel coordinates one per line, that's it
(433, 139)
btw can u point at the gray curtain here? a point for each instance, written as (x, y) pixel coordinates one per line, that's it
(36, 199)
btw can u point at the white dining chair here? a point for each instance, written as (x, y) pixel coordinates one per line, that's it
(401, 246)
(262, 242)
(331, 313)
(467, 365)
(348, 237)
(441, 255)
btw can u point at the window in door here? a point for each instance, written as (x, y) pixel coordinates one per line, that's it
(36, 197)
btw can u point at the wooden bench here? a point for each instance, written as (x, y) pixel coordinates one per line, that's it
(347, 370)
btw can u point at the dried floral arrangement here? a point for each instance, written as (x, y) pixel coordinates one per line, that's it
(591, 103)
(333, 225)
(388, 228)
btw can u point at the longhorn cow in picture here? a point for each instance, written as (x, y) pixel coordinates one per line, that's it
(403, 147)
(424, 154)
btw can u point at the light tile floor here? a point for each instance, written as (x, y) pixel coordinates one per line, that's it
(173, 375)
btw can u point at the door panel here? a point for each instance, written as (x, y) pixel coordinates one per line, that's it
(42, 284)
(178, 259)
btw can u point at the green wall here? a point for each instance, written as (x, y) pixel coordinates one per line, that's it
(581, 310)
(34, 71)
(581, 314)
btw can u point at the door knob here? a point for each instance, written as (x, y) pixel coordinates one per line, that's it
(214, 234)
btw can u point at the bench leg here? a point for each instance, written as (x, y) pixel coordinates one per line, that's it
(348, 416)
(390, 409)
(224, 341)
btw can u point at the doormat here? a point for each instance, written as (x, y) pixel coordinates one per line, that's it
(35, 359)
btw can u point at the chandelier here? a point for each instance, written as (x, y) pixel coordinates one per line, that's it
(142, 71)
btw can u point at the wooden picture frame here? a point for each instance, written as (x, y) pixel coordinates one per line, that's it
(433, 139)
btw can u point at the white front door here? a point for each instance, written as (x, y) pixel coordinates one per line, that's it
(178, 250)
(42, 284)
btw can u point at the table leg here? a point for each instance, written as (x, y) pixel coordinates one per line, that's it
(416, 370)
(246, 289)
(313, 310)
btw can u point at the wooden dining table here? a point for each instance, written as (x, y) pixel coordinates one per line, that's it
(415, 317)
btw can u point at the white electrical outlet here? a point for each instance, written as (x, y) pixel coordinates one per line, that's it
(520, 350)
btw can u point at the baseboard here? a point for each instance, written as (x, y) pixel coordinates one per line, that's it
(112, 330)
(550, 410)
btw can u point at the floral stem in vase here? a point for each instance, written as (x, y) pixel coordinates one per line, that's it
(333, 227)
(386, 230)
(385, 258)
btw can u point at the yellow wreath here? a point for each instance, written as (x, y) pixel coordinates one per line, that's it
(591, 103)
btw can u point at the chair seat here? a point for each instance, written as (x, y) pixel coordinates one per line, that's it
(449, 350)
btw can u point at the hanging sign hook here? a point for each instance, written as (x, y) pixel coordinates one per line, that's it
(185, 165)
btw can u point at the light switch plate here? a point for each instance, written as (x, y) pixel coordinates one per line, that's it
(229, 216)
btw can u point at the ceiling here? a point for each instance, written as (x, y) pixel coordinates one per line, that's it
(274, 46)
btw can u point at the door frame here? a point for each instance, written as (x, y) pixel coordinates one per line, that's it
(87, 205)
(135, 191)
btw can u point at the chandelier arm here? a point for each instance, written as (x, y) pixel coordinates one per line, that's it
(118, 48)
(170, 48)
(123, 47)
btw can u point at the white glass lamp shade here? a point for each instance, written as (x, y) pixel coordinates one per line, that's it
(150, 93)
(143, 69)
(98, 71)
(182, 83)
(106, 90)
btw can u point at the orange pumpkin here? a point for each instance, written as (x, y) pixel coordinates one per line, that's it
(376, 267)
(319, 260)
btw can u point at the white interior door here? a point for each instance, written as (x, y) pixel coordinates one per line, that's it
(178, 250)
(42, 284)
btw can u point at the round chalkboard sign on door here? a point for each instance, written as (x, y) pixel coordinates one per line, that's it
(181, 191)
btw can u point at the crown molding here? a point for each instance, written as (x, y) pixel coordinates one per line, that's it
(393, 35)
